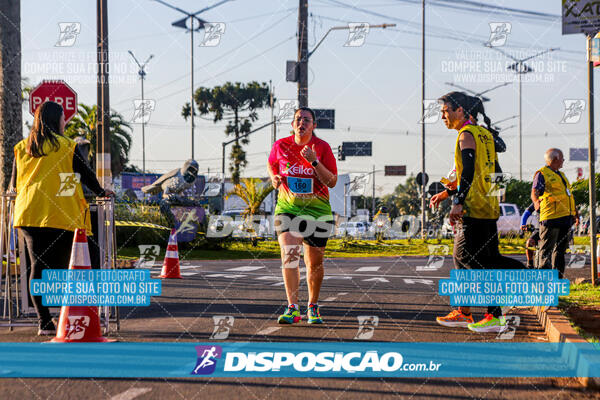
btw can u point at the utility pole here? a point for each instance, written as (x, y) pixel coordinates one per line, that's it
(273, 137)
(303, 53)
(592, 165)
(142, 75)
(373, 200)
(103, 170)
(423, 192)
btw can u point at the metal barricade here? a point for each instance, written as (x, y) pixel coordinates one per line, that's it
(17, 309)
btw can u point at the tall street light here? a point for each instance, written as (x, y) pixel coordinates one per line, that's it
(520, 68)
(142, 75)
(183, 23)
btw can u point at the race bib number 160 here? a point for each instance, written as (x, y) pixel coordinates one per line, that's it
(300, 185)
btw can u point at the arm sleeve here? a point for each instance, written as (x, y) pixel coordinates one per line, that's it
(539, 184)
(88, 178)
(468, 172)
(525, 216)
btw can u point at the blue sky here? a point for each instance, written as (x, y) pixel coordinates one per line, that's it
(374, 88)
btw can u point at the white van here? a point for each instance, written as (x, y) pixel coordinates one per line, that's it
(510, 219)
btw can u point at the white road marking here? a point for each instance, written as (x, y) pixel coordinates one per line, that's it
(130, 394)
(269, 330)
(423, 281)
(278, 284)
(245, 268)
(230, 276)
(375, 280)
(329, 299)
(368, 269)
(270, 278)
(329, 277)
(342, 293)
(188, 273)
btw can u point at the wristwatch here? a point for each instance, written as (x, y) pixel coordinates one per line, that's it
(456, 201)
(315, 163)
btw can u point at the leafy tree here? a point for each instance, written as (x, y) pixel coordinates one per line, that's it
(235, 103)
(11, 127)
(84, 124)
(581, 191)
(519, 193)
(253, 192)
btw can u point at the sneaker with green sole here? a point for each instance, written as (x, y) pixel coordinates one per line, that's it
(314, 315)
(290, 316)
(489, 324)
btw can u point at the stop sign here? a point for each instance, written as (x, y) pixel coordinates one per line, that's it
(57, 91)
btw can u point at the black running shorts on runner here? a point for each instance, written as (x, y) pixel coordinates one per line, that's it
(314, 233)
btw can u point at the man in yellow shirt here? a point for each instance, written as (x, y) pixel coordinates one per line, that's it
(552, 197)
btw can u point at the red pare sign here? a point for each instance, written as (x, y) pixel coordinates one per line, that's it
(57, 91)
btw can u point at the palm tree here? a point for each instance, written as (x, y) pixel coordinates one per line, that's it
(11, 126)
(84, 124)
(253, 192)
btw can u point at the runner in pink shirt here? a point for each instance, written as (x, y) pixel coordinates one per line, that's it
(302, 167)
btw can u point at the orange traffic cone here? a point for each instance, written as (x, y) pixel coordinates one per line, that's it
(170, 267)
(79, 323)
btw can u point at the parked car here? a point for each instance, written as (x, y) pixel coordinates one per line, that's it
(354, 229)
(510, 219)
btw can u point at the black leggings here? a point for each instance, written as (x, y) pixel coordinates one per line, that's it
(476, 247)
(47, 248)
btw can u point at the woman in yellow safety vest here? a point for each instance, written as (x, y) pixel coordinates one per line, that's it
(48, 173)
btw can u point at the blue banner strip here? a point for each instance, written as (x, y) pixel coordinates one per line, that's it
(298, 359)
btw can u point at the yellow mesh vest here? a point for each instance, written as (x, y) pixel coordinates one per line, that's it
(48, 195)
(479, 204)
(557, 200)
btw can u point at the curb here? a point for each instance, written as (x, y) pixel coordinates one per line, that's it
(559, 330)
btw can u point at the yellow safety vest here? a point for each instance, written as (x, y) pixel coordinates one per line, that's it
(49, 194)
(557, 200)
(479, 203)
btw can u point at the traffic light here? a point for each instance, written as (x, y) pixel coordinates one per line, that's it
(341, 155)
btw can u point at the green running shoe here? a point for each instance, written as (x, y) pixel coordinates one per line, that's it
(290, 316)
(489, 324)
(314, 316)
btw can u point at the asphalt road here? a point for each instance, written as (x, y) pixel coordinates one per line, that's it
(374, 299)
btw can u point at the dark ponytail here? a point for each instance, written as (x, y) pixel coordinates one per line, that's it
(476, 108)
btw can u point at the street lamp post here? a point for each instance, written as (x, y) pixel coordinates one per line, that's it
(303, 82)
(521, 68)
(142, 75)
(182, 23)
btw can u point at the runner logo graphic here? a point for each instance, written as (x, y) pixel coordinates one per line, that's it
(142, 111)
(212, 34)
(437, 253)
(512, 322)
(498, 183)
(432, 112)
(148, 254)
(68, 183)
(188, 226)
(357, 34)
(499, 32)
(223, 324)
(286, 107)
(579, 255)
(76, 327)
(366, 326)
(207, 359)
(68, 33)
(573, 111)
